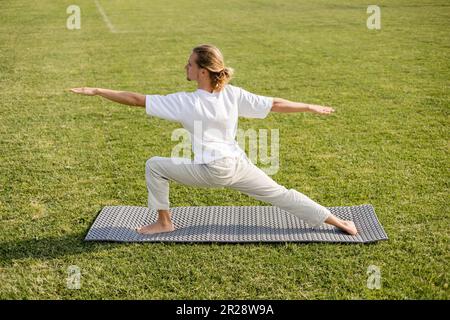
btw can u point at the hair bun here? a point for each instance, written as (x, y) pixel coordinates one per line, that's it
(209, 57)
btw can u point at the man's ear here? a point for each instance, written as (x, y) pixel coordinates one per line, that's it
(205, 72)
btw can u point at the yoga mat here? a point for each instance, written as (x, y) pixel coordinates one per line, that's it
(233, 224)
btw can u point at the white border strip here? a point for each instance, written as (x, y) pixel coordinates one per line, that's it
(105, 17)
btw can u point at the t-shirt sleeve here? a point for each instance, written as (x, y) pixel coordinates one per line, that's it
(170, 107)
(251, 105)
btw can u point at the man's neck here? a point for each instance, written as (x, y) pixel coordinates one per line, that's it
(205, 86)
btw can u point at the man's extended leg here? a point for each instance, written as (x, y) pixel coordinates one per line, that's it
(254, 182)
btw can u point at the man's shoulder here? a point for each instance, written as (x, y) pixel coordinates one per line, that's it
(180, 95)
(231, 87)
(234, 90)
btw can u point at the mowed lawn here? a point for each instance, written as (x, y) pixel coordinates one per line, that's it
(65, 156)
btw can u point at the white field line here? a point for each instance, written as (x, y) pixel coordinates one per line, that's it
(105, 17)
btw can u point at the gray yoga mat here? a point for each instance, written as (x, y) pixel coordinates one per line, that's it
(233, 224)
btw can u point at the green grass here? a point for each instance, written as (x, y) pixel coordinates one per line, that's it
(63, 156)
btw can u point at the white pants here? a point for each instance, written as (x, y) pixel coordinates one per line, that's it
(234, 172)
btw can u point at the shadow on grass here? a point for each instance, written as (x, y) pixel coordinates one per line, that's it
(49, 248)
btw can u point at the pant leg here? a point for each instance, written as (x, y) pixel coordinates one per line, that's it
(160, 170)
(251, 180)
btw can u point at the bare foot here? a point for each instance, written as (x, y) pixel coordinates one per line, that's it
(345, 225)
(157, 227)
(349, 227)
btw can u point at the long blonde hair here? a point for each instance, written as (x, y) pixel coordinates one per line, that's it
(210, 58)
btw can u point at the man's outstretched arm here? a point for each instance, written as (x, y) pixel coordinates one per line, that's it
(283, 105)
(123, 97)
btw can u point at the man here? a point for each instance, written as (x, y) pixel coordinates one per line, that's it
(218, 160)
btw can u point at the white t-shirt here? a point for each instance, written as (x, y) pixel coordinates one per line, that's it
(210, 118)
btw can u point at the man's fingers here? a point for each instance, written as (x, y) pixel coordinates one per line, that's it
(327, 110)
(76, 90)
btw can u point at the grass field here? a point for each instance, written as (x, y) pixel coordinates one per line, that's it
(63, 156)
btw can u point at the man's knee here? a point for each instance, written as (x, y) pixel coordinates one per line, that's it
(151, 163)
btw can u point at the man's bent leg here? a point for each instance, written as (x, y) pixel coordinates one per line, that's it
(158, 172)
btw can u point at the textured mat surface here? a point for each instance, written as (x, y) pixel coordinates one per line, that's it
(233, 224)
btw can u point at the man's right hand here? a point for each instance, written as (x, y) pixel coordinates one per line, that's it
(123, 97)
(85, 90)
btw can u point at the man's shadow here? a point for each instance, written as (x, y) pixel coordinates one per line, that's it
(49, 248)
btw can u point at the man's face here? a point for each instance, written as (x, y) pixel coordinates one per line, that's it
(192, 69)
